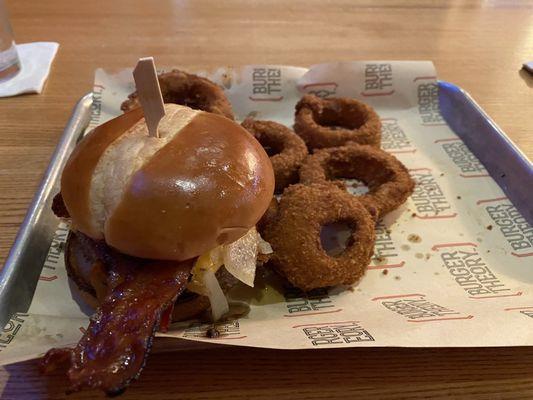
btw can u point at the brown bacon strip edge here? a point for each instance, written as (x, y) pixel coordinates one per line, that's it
(58, 207)
(113, 350)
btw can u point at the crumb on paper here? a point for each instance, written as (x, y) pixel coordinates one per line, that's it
(428, 256)
(226, 80)
(458, 197)
(405, 247)
(489, 227)
(528, 67)
(413, 215)
(397, 277)
(442, 174)
(488, 251)
(252, 114)
(212, 333)
(436, 273)
(419, 255)
(414, 238)
(385, 271)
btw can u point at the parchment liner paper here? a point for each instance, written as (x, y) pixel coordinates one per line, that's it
(452, 267)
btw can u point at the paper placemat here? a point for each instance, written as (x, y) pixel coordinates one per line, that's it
(452, 266)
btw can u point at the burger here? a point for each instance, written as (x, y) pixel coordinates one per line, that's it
(160, 227)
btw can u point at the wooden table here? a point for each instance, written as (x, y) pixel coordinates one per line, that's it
(479, 45)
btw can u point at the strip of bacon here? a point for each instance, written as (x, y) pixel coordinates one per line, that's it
(113, 350)
(58, 207)
(166, 318)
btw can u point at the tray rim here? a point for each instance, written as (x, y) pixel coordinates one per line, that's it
(510, 168)
(485, 116)
(76, 125)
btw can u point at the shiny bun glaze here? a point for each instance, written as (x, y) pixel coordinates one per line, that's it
(205, 182)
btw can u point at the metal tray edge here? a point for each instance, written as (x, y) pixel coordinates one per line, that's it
(27, 254)
(520, 154)
(504, 161)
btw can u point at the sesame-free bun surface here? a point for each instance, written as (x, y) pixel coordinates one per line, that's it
(204, 182)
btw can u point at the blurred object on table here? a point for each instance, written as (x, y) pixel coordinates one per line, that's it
(35, 62)
(9, 60)
(528, 66)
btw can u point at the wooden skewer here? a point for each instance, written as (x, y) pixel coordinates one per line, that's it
(149, 93)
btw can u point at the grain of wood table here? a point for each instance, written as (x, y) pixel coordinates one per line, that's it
(479, 45)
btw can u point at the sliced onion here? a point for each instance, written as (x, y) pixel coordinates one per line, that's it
(210, 261)
(217, 298)
(263, 246)
(240, 257)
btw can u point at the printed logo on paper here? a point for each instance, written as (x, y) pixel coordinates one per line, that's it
(378, 80)
(11, 329)
(428, 101)
(96, 106)
(415, 307)
(320, 89)
(335, 333)
(55, 254)
(385, 250)
(466, 162)
(266, 84)
(508, 222)
(393, 138)
(428, 197)
(315, 302)
(471, 273)
(526, 311)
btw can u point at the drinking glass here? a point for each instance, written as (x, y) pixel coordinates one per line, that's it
(9, 59)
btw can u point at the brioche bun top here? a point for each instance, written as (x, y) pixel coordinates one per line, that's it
(205, 181)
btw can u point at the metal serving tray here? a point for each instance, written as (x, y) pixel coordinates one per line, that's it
(509, 167)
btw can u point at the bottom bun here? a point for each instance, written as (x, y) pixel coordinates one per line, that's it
(87, 262)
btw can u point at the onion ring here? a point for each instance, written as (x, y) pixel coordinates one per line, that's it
(295, 236)
(268, 216)
(188, 90)
(334, 122)
(289, 149)
(389, 183)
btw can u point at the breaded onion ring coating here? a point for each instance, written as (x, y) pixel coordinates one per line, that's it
(188, 90)
(295, 236)
(288, 149)
(389, 183)
(334, 122)
(268, 217)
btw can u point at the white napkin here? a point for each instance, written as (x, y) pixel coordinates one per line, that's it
(35, 60)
